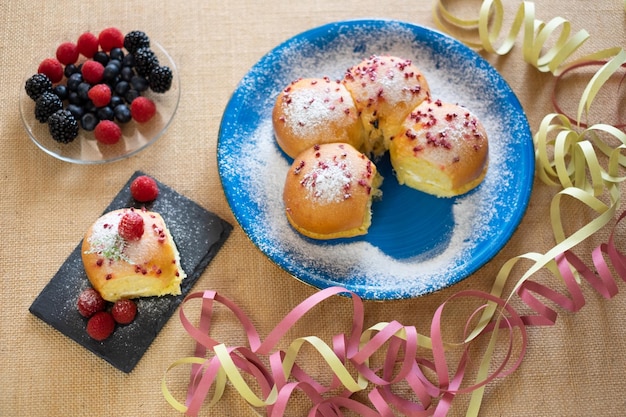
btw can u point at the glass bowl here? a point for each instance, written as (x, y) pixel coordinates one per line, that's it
(85, 149)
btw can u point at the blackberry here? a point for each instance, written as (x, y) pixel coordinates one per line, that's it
(145, 61)
(161, 79)
(46, 105)
(37, 85)
(135, 40)
(63, 126)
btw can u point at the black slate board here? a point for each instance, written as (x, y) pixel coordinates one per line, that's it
(199, 235)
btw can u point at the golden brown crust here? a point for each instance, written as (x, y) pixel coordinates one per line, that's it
(313, 111)
(385, 89)
(328, 191)
(442, 149)
(119, 269)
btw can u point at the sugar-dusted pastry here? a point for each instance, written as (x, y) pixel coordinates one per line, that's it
(312, 111)
(130, 253)
(442, 150)
(329, 190)
(385, 89)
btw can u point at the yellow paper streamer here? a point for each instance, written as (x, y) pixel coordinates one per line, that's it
(564, 156)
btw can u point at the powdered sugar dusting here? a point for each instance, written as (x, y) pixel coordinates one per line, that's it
(328, 181)
(309, 110)
(416, 244)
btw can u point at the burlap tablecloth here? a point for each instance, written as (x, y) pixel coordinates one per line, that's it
(574, 368)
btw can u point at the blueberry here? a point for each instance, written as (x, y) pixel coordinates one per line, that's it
(115, 62)
(73, 98)
(122, 113)
(127, 73)
(101, 57)
(89, 121)
(115, 100)
(116, 53)
(61, 91)
(110, 72)
(76, 110)
(131, 95)
(139, 83)
(105, 113)
(129, 60)
(74, 80)
(121, 87)
(83, 90)
(89, 106)
(69, 70)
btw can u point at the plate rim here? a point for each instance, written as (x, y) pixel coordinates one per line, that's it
(348, 25)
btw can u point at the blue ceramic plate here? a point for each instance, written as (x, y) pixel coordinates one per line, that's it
(417, 243)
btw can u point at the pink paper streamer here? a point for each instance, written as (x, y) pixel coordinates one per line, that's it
(402, 362)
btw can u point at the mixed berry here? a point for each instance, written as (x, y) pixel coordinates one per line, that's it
(95, 81)
(101, 316)
(101, 320)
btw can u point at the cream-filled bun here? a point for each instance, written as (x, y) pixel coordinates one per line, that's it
(329, 190)
(118, 267)
(442, 150)
(312, 111)
(385, 89)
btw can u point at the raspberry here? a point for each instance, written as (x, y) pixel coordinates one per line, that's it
(100, 326)
(67, 53)
(100, 95)
(87, 44)
(144, 189)
(52, 68)
(90, 302)
(92, 71)
(107, 132)
(111, 38)
(124, 311)
(131, 226)
(142, 109)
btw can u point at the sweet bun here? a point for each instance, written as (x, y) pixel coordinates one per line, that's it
(313, 111)
(442, 150)
(119, 268)
(329, 190)
(385, 89)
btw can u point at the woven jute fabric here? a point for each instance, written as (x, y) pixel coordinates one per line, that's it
(575, 368)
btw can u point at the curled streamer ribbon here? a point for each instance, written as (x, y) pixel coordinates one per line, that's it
(278, 376)
(569, 154)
